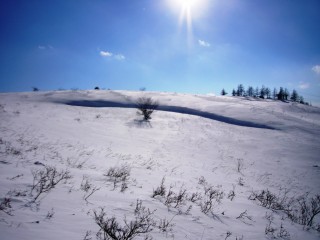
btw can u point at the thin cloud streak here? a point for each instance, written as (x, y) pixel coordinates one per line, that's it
(119, 57)
(316, 69)
(303, 85)
(203, 43)
(105, 54)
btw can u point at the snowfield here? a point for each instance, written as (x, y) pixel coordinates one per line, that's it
(231, 147)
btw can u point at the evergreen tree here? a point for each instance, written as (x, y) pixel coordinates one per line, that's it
(274, 94)
(286, 94)
(256, 92)
(240, 90)
(223, 92)
(262, 92)
(281, 94)
(294, 96)
(268, 92)
(301, 100)
(250, 91)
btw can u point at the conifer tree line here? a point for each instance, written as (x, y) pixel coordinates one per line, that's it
(266, 93)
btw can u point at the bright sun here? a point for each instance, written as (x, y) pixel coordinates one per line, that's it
(188, 10)
(187, 3)
(194, 7)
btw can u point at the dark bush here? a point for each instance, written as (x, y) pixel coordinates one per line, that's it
(110, 228)
(46, 179)
(146, 107)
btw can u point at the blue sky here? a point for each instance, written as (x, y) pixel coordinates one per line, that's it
(196, 46)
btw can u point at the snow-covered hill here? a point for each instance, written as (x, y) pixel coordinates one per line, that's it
(199, 144)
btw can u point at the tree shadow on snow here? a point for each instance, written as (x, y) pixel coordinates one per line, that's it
(139, 123)
(175, 109)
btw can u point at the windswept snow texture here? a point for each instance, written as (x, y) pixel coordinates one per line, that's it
(231, 143)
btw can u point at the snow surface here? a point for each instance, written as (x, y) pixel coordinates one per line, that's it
(191, 136)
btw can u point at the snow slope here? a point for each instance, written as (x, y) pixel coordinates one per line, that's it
(275, 145)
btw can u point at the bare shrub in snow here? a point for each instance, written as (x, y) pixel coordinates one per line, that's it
(50, 214)
(306, 210)
(228, 234)
(232, 193)
(270, 230)
(244, 216)
(88, 188)
(202, 181)
(15, 177)
(17, 193)
(46, 179)
(283, 233)
(146, 107)
(211, 197)
(5, 206)
(272, 201)
(161, 190)
(119, 175)
(302, 210)
(87, 236)
(176, 200)
(171, 198)
(240, 165)
(273, 232)
(240, 181)
(142, 224)
(92, 191)
(269, 216)
(195, 197)
(165, 226)
(124, 186)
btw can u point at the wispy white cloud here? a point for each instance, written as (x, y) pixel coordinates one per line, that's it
(203, 43)
(316, 69)
(304, 85)
(105, 54)
(45, 47)
(120, 57)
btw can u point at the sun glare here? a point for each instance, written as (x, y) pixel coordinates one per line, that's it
(186, 3)
(188, 10)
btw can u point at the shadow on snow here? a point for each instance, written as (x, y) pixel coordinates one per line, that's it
(175, 109)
